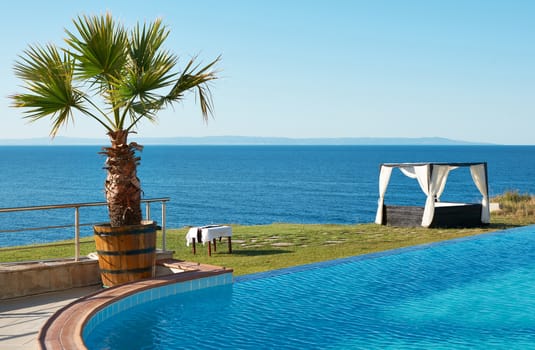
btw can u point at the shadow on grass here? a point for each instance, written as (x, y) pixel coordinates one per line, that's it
(260, 252)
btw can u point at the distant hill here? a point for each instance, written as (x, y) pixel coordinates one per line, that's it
(243, 140)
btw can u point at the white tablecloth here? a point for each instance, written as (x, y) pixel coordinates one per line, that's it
(208, 233)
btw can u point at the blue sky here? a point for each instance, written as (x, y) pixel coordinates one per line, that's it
(461, 69)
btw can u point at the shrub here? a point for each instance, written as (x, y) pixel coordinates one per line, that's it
(516, 204)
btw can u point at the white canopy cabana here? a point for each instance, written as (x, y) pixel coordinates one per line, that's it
(432, 179)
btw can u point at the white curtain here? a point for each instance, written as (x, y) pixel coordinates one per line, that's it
(384, 178)
(439, 175)
(480, 179)
(422, 174)
(443, 183)
(418, 172)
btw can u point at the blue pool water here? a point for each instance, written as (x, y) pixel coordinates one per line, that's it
(475, 293)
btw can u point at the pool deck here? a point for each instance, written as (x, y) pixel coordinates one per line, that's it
(55, 320)
(22, 318)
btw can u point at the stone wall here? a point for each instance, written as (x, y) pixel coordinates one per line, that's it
(31, 278)
(37, 277)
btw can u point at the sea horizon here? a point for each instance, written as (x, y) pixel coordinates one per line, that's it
(249, 141)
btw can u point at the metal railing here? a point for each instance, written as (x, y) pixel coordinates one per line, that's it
(77, 224)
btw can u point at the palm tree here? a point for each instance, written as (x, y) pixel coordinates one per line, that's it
(117, 77)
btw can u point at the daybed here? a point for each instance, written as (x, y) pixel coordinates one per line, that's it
(432, 179)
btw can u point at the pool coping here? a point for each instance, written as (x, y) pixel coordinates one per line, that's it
(65, 328)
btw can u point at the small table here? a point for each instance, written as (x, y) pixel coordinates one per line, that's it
(209, 234)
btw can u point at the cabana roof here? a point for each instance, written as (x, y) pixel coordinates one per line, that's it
(399, 165)
(432, 177)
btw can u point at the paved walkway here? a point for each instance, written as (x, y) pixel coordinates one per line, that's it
(22, 318)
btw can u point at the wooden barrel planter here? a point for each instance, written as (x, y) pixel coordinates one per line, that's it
(125, 253)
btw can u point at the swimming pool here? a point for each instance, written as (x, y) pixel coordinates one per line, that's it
(464, 294)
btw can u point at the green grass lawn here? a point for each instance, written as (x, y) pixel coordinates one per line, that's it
(268, 247)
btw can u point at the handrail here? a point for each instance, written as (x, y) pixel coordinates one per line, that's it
(77, 224)
(74, 205)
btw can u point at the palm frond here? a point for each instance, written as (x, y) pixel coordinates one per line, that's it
(146, 45)
(50, 93)
(100, 48)
(149, 71)
(195, 77)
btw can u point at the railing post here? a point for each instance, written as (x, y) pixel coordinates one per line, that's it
(163, 226)
(76, 234)
(147, 211)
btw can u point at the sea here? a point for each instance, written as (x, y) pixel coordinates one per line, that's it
(247, 185)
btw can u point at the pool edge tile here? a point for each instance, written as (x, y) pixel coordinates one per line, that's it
(67, 326)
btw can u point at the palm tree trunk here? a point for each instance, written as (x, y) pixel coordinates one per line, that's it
(123, 189)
